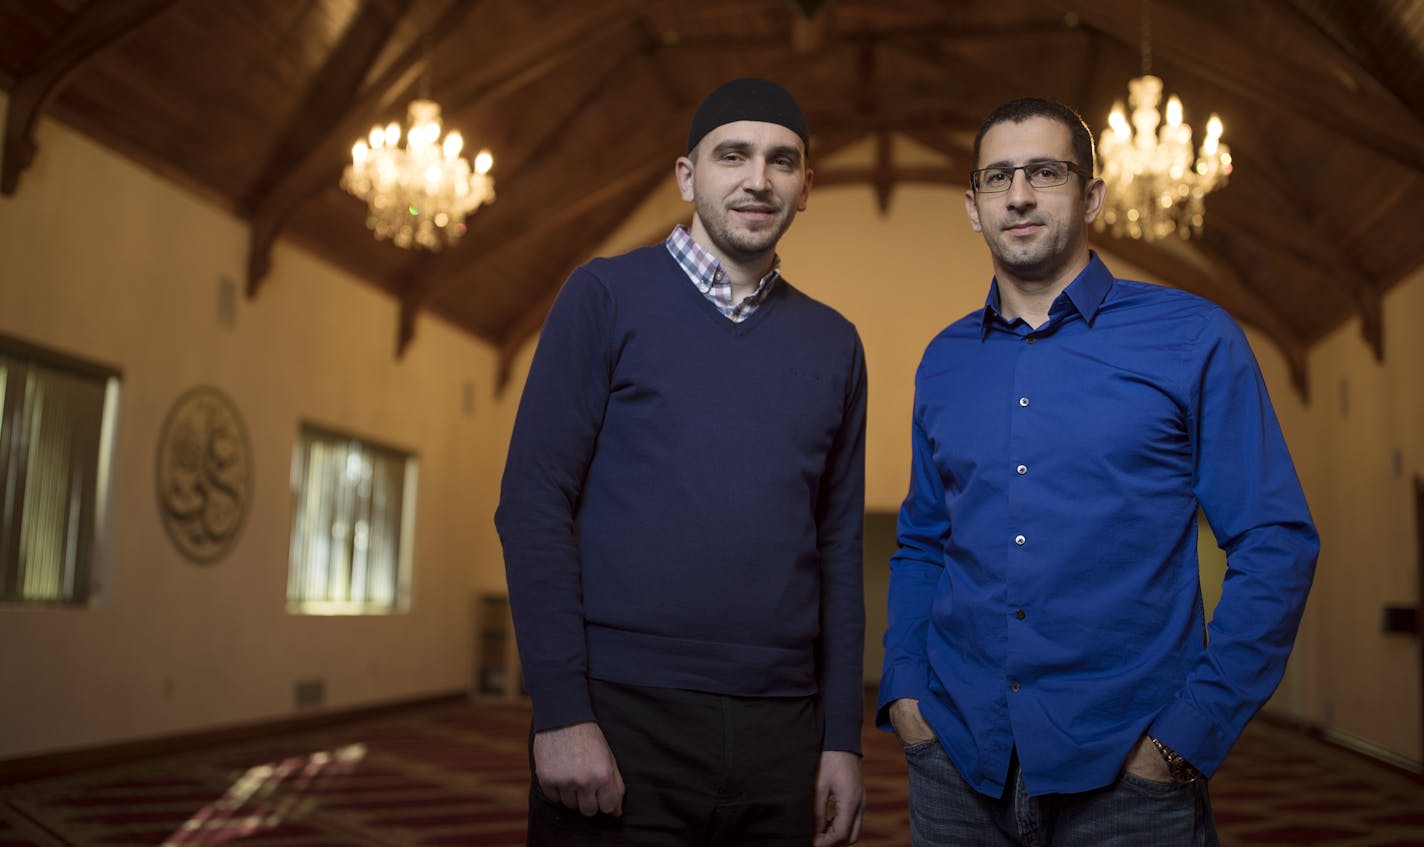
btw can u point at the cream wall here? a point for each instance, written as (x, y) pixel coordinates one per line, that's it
(106, 262)
(1369, 421)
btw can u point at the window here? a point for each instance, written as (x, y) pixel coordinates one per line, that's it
(57, 419)
(352, 525)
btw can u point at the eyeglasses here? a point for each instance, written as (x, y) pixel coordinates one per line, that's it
(1046, 173)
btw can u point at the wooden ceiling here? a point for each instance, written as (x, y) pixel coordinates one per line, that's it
(255, 103)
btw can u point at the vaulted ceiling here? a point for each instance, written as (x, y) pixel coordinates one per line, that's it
(254, 104)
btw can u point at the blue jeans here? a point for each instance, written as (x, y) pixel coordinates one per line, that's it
(1131, 812)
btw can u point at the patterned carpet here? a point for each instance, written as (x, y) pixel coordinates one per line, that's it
(457, 775)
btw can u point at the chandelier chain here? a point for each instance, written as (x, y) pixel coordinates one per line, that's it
(1146, 39)
(1155, 181)
(428, 43)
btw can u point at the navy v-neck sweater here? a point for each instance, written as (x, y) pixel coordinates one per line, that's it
(682, 502)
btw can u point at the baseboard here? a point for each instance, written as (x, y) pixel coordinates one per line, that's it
(70, 761)
(1348, 743)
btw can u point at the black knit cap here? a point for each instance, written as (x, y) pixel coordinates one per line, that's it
(748, 99)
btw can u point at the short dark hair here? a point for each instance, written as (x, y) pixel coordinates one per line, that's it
(1020, 110)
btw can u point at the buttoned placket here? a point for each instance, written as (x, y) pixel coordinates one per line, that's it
(1020, 550)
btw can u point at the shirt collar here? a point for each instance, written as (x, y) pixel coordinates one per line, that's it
(1085, 293)
(702, 267)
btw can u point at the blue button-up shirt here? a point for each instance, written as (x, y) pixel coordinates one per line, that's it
(1046, 593)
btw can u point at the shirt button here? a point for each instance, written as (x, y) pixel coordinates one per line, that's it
(1022, 469)
(1019, 540)
(1031, 339)
(1014, 686)
(1020, 614)
(1023, 401)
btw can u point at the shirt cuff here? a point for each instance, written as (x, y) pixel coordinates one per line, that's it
(1192, 735)
(899, 683)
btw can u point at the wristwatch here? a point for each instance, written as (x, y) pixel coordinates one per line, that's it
(1180, 769)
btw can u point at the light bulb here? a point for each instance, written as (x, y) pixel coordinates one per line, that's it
(1174, 111)
(454, 142)
(1118, 121)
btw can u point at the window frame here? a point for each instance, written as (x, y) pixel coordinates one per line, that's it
(402, 576)
(100, 553)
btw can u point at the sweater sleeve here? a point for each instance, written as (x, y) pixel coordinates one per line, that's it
(555, 432)
(840, 514)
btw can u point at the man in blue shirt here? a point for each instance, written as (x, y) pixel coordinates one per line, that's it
(1047, 664)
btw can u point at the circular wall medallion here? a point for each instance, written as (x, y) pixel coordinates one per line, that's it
(204, 474)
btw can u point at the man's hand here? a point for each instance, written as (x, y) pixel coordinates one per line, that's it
(910, 726)
(1145, 762)
(575, 767)
(840, 799)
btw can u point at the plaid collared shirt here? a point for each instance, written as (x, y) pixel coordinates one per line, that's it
(706, 273)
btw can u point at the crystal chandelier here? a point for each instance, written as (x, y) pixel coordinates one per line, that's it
(1154, 183)
(418, 195)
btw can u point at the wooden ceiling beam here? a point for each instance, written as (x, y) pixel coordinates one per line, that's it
(1294, 348)
(532, 319)
(526, 60)
(896, 36)
(1301, 229)
(1302, 243)
(534, 55)
(333, 90)
(436, 272)
(321, 167)
(448, 269)
(1220, 56)
(92, 31)
(1358, 47)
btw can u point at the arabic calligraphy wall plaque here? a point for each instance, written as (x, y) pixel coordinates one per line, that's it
(204, 474)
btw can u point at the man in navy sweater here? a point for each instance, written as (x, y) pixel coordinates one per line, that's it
(681, 521)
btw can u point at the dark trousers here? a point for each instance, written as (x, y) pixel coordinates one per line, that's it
(699, 769)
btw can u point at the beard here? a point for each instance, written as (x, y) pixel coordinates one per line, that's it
(1032, 258)
(738, 240)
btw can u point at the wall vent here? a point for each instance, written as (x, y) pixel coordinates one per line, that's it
(309, 693)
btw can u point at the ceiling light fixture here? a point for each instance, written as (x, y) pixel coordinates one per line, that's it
(1154, 188)
(419, 194)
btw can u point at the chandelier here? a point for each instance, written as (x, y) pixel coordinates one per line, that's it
(418, 195)
(1155, 184)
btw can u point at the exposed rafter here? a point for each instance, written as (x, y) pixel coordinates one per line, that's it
(533, 317)
(435, 272)
(1226, 59)
(584, 105)
(332, 91)
(1359, 48)
(447, 270)
(321, 166)
(96, 28)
